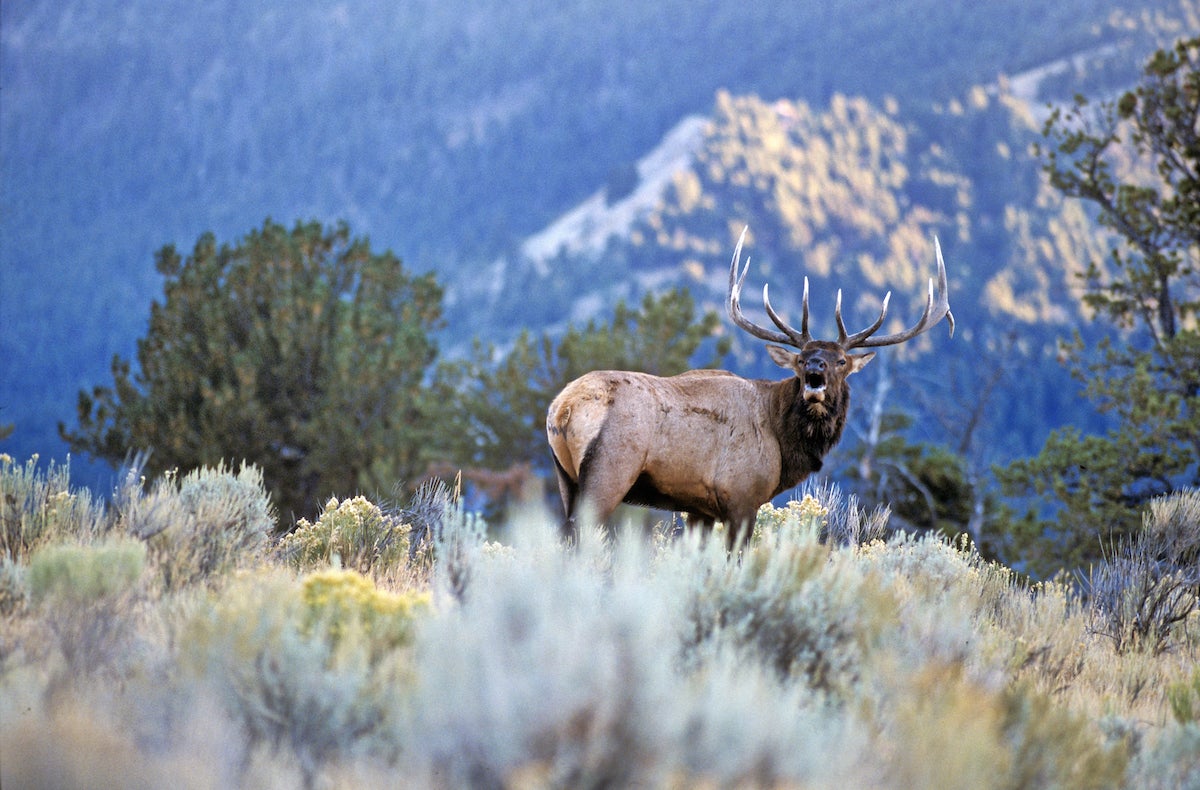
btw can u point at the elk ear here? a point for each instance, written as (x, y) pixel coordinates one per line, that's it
(784, 358)
(859, 361)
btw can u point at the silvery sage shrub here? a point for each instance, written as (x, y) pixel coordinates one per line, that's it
(201, 526)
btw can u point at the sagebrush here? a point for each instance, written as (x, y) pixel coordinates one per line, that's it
(622, 661)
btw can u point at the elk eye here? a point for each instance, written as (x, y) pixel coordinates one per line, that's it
(842, 362)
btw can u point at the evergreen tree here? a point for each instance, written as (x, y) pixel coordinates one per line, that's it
(1137, 162)
(300, 351)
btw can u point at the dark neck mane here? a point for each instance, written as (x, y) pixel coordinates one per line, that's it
(806, 434)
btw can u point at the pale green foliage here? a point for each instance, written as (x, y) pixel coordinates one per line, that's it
(563, 670)
(1170, 762)
(311, 666)
(354, 533)
(619, 662)
(622, 665)
(195, 528)
(72, 574)
(84, 595)
(37, 508)
(785, 606)
(565, 678)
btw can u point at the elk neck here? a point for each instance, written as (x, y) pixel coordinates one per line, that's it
(806, 431)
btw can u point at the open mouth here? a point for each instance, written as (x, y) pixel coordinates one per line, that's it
(814, 387)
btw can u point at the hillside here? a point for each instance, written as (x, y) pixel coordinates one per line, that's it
(451, 134)
(587, 229)
(849, 196)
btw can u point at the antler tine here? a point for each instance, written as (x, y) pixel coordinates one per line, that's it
(941, 266)
(929, 318)
(837, 316)
(856, 340)
(797, 339)
(733, 306)
(804, 307)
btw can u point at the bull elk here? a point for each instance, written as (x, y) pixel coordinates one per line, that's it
(708, 443)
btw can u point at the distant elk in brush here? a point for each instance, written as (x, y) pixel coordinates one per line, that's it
(708, 443)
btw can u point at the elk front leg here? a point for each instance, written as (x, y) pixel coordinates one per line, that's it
(738, 531)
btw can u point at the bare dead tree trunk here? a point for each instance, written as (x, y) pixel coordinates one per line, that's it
(883, 386)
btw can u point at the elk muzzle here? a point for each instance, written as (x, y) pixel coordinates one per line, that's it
(814, 380)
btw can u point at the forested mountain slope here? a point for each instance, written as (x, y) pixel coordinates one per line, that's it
(851, 196)
(447, 132)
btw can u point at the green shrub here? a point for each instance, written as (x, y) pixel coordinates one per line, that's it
(84, 594)
(352, 533)
(317, 666)
(1184, 699)
(549, 671)
(933, 567)
(610, 665)
(39, 507)
(340, 601)
(79, 575)
(202, 526)
(626, 662)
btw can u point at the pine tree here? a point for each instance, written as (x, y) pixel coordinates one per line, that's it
(300, 351)
(1137, 163)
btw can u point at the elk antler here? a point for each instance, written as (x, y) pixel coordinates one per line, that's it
(789, 335)
(932, 315)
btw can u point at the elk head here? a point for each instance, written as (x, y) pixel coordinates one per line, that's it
(822, 366)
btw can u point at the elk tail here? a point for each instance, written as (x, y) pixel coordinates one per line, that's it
(568, 489)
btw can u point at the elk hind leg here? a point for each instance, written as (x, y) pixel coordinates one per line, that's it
(604, 481)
